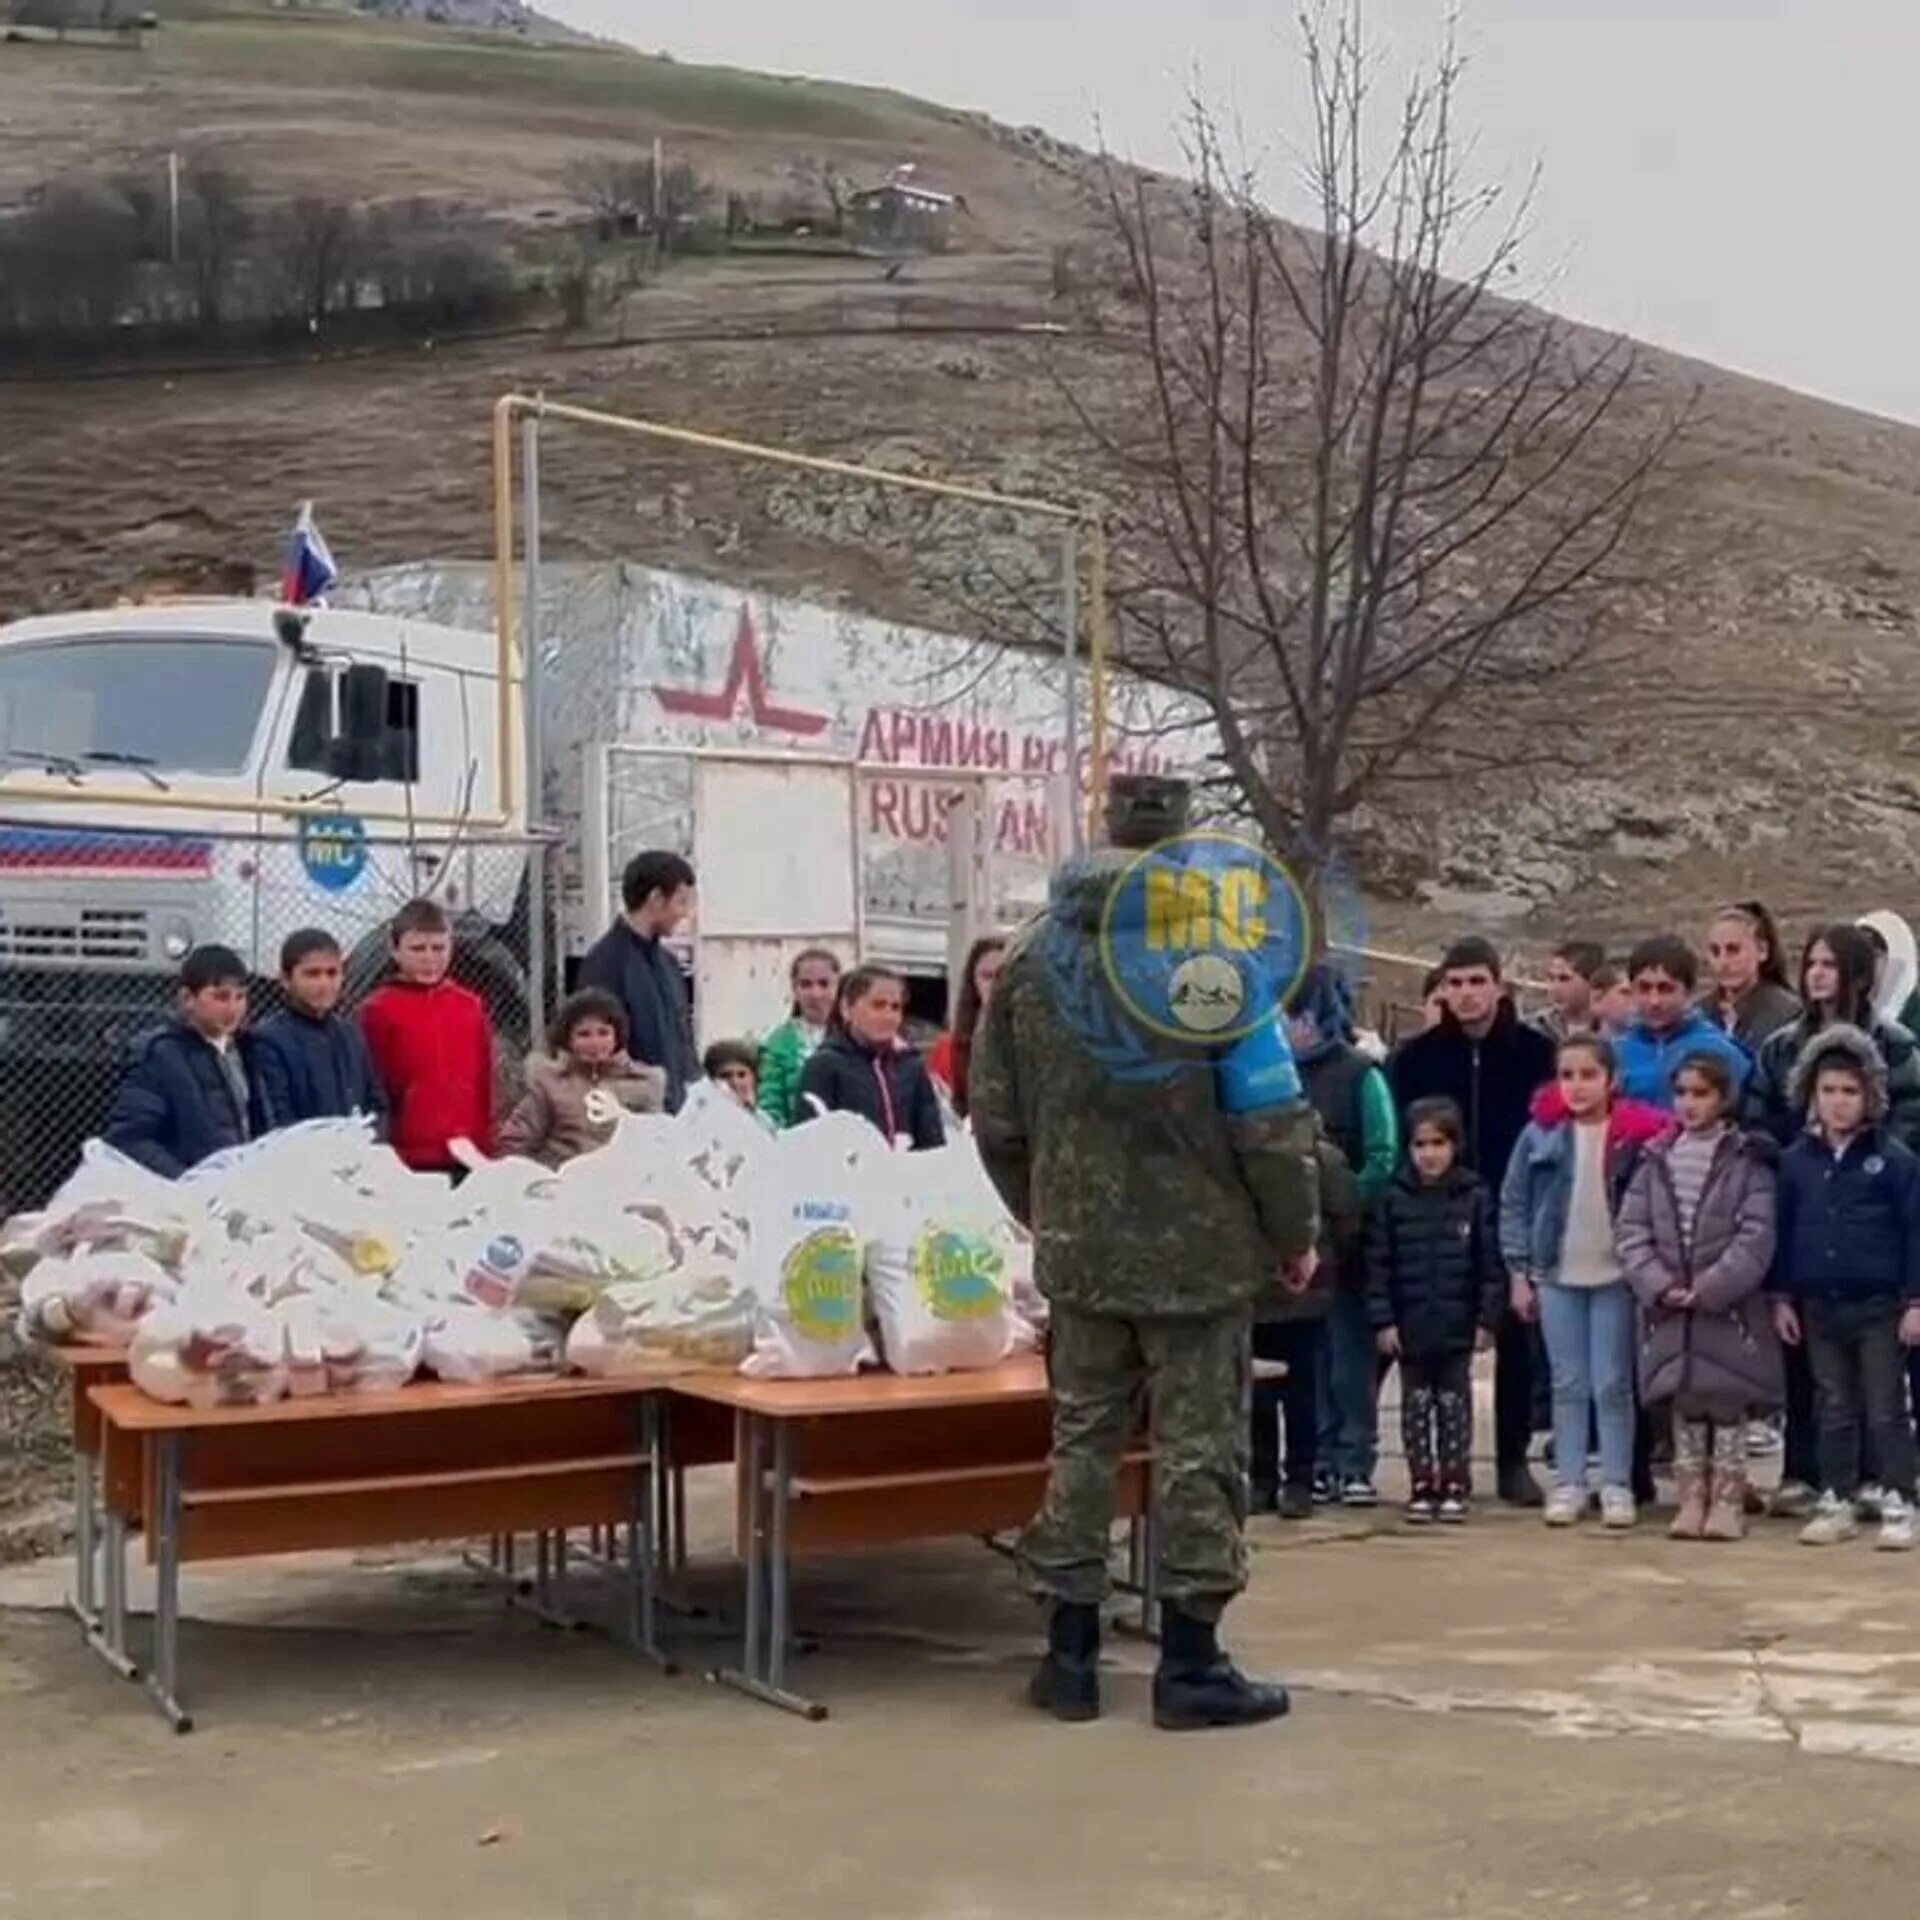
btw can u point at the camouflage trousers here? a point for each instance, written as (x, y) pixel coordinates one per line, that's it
(1105, 1371)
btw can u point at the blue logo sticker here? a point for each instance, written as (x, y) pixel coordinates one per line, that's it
(333, 849)
(1203, 936)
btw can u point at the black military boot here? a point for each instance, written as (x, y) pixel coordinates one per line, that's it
(1196, 1685)
(1066, 1683)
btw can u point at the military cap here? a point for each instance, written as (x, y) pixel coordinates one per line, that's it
(1146, 808)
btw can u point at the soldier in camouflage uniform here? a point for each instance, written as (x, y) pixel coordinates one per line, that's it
(1158, 1214)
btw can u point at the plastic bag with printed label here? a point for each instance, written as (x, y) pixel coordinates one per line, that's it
(807, 1249)
(107, 1204)
(93, 1298)
(211, 1347)
(672, 1324)
(937, 1263)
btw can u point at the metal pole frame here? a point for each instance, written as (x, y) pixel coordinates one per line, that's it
(531, 720)
(1083, 519)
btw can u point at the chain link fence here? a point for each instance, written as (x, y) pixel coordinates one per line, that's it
(95, 921)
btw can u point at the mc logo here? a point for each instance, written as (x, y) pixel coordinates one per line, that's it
(1204, 935)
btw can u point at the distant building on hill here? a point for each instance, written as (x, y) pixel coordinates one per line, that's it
(903, 216)
(82, 16)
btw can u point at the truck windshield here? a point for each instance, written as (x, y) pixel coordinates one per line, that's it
(189, 704)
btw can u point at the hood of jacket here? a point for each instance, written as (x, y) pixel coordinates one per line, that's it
(1851, 1047)
(1903, 962)
(1760, 1148)
(1630, 1123)
(1323, 997)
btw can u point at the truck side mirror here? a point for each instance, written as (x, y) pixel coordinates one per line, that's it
(363, 722)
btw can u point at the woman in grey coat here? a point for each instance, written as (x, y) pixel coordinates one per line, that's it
(1695, 1239)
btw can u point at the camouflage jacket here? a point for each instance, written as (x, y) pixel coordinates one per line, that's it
(1115, 1144)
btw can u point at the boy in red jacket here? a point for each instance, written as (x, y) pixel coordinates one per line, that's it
(432, 1046)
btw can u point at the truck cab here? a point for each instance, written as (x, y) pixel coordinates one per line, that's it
(220, 771)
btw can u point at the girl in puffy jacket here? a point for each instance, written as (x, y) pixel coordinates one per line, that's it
(578, 1090)
(1434, 1294)
(1564, 1184)
(1696, 1238)
(863, 1066)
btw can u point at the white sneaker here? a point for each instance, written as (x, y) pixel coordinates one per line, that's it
(1834, 1520)
(1896, 1524)
(1869, 1500)
(1792, 1500)
(1565, 1505)
(1617, 1508)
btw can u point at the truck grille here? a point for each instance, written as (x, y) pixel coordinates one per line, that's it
(99, 934)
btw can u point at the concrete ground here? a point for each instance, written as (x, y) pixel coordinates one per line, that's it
(1495, 1722)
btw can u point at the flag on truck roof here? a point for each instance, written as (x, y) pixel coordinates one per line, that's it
(309, 572)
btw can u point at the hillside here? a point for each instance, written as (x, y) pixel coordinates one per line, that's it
(1764, 743)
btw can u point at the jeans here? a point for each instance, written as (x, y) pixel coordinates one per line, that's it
(1349, 1443)
(1301, 1344)
(1859, 1387)
(1801, 1459)
(1590, 1343)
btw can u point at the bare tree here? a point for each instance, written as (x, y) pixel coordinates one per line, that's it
(819, 174)
(318, 246)
(1371, 507)
(617, 188)
(215, 225)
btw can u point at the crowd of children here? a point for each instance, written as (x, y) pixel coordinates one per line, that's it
(1710, 1216)
(1675, 1216)
(419, 1058)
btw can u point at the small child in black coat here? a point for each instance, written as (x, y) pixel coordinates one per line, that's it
(1434, 1294)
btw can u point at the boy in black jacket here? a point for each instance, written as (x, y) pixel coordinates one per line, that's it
(189, 1093)
(309, 1064)
(1435, 1290)
(1847, 1279)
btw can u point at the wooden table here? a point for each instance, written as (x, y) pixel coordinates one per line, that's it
(830, 1465)
(425, 1462)
(87, 1367)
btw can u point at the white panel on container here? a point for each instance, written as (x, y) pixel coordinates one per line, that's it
(743, 990)
(773, 848)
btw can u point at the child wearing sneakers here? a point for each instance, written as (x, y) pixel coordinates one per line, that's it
(1558, 1203)
(1695, 1239)
(1434, 1294)
(1847, 1279)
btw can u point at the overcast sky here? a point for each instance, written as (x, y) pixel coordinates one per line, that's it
(1732, 178)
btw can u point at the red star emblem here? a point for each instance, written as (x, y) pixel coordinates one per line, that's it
(744, 694)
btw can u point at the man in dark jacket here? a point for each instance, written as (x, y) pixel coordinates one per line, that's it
(308, 1063)
(1483, 1058)
(189, 1093)
(631, 962)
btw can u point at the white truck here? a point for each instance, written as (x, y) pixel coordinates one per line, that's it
(229, 771)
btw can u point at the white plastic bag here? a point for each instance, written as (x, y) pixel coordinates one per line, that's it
(344, 1340)
(937, 1264)
(109, 1203)
(211, 1348)
(807, 1250)
(468, 1346)
(95, 1298)
(673, 1324)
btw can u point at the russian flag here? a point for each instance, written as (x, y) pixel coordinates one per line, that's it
(308, 572)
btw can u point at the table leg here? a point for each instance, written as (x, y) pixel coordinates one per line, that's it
(108, 1636)
(164, 1676)
(678, 1475)
(642, 1551)
(86, 1543)
(763, 1668)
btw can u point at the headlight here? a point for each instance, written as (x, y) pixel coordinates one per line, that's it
(176, 939)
